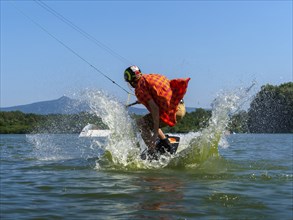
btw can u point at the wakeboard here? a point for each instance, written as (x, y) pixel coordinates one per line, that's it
(161, 148)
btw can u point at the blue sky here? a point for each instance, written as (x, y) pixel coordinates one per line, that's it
(221, 45)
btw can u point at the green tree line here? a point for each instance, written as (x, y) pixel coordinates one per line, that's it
(17, 122)
(271, 111)
(193, 121)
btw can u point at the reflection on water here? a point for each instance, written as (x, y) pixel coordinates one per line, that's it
(169, 191)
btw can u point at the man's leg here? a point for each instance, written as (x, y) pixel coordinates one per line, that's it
(145, 125)
(161, 134)
(164, 142)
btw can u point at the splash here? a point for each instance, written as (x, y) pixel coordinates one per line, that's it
(125, 144)
(205, 146)
(57, 147)
(123, 147)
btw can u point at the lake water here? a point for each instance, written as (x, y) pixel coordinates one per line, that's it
(63, 177)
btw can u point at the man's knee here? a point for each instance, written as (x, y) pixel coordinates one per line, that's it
(181, 111)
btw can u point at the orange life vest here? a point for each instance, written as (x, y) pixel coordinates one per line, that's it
(165, 93)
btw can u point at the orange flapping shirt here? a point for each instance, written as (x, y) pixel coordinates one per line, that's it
(165, 93)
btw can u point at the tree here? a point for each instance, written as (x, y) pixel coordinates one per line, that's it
(238, 123)
(271, 111)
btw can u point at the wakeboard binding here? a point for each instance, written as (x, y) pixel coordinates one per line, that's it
(163, 146)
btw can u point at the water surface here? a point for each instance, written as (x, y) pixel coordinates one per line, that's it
(59, 177)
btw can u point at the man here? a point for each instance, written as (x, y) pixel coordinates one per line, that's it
(163, 98)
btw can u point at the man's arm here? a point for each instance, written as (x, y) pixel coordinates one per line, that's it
(155, 111)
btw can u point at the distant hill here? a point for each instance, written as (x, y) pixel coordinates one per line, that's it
(64, 105)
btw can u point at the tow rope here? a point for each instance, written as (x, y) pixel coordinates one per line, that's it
(69, 48)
